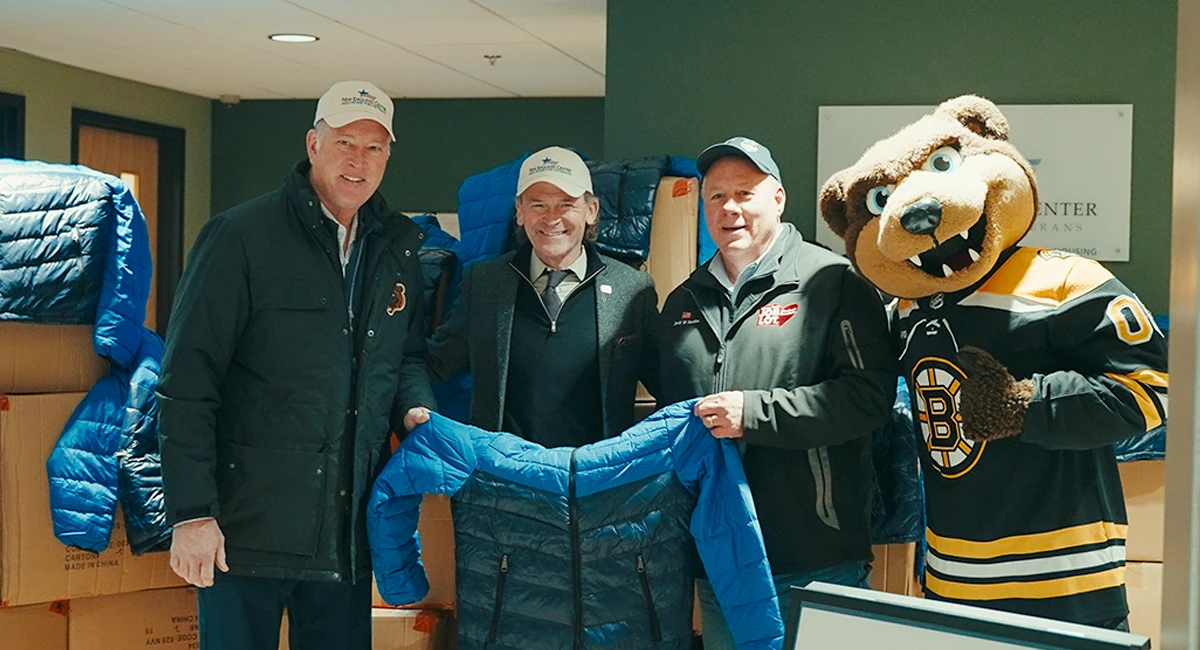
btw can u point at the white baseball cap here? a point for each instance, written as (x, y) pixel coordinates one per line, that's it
(560, 167)
(350, 101)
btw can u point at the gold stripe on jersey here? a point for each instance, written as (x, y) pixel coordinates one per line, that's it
(1149, 377)
(1144, 401)
(1039, 589)
(1046, 276)
(1055, 540)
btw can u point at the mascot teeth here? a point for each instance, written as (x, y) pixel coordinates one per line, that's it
(946, 270)
(915, 259)
(974, 255)
(964, 234)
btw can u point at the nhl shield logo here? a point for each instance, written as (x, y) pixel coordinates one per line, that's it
(398, 300)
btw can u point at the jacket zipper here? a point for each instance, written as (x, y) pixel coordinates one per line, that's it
(654, 626)
(554, 321)
(576, 562)
(500, 579)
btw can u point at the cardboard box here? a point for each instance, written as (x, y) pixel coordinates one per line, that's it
(402, 629)
(36, 358)
(674, 230)
(1143, 586)
(408, 629)
(37, 627)
(34, 566)
(436, 528)
(894, 569)
(162, 619)
(1143, 482)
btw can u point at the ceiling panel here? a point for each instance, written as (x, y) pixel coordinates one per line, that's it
(411, 48)
(513, 8)
(529, 70)
(582, 37)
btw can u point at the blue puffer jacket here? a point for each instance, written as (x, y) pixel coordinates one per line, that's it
(627, 189)
(108, 453)
(586, 547)
(74, 249)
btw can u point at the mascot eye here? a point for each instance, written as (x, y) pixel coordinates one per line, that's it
(877, 198)
(942, 160)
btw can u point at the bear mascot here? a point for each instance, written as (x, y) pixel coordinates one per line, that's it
(1024, 366)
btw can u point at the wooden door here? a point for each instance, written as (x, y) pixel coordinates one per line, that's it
(134, 159)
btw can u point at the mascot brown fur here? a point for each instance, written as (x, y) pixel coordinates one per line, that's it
(1023, 500)
(940, 232)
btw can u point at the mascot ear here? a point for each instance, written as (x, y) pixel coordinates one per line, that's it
(833, 205)
(977, 114)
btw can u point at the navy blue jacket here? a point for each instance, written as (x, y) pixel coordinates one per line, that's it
(579, 547)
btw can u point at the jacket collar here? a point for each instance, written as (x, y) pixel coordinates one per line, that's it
(307, 206)
(524, 253)
(784, 262)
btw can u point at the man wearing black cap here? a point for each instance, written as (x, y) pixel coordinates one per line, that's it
(790, 353)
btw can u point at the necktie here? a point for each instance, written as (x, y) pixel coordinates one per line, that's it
(550, 294)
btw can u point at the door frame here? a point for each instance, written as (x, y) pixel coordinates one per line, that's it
(17, 134)
(170, 195)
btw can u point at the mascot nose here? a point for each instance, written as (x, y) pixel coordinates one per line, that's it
(922, 217)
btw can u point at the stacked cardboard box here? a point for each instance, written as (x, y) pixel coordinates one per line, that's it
(894, 569)
(402, 629)
(1144, 484)
(164, 618)
(45, 371)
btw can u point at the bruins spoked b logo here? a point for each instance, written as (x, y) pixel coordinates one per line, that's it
(936, 384)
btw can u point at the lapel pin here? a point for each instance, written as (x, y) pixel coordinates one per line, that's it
(606, 288)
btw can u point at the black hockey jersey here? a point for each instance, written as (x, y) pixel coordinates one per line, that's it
(1034, 524)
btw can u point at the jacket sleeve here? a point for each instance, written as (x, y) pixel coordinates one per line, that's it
(448, 348)
(413, 388)
(1115, 382)
(727, 533)
(856, 396)
(209, 316)
(122, 303)
(649, 373)
(82, 469)
(436, 458)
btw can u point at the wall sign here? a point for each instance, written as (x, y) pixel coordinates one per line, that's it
(1081, 155)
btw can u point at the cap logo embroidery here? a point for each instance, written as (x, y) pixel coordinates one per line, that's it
(775, 315)
(396, 304)
(748, 146)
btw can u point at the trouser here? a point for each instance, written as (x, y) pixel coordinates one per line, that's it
(243, 613)
(717, 635)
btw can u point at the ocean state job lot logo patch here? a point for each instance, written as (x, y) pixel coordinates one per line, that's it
(775, 315)
(937, 384)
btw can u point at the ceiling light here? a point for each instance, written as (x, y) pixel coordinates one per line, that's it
(293, 38)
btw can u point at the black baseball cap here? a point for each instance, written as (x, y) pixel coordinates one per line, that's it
(746, 148)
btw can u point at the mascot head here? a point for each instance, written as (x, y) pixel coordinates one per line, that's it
(931, 208)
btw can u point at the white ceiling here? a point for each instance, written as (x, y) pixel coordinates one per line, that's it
(409, 48)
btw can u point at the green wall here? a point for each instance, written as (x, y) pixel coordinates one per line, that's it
(683, 74)
(52, 89)
(439, 143)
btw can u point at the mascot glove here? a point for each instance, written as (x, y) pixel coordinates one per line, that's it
(993, 403)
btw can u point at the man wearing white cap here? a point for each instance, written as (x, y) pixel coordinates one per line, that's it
(556, 335)
(294, 348)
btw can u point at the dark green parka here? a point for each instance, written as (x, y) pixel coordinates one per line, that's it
(275, 411)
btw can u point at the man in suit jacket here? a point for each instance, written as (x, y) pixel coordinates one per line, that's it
(555, 334)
